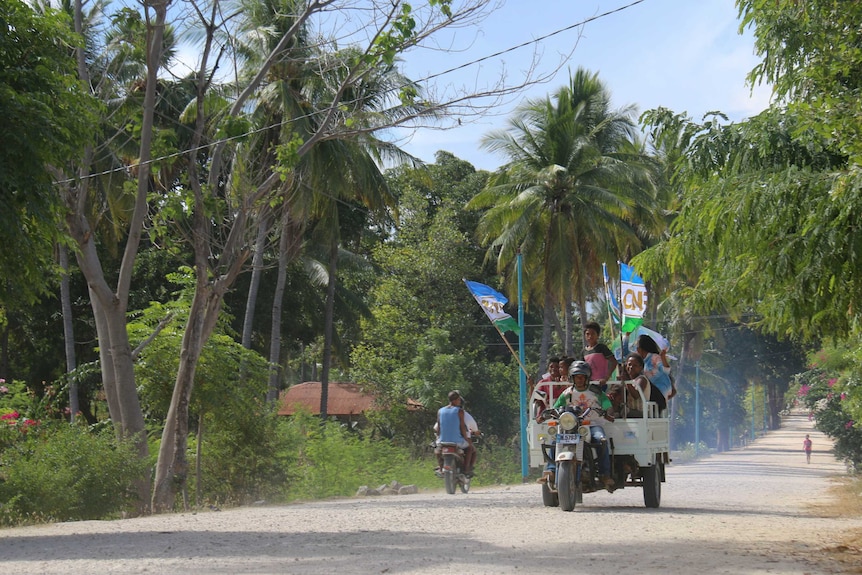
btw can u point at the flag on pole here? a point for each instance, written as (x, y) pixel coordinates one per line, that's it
(633, 297)
(492, 302)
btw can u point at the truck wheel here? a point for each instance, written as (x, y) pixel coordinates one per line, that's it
(652, 485)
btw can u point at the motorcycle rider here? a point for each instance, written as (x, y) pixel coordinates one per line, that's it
(584, 395)
(453, 429)
(472, 430)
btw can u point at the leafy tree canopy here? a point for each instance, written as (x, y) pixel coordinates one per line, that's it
(46, 119)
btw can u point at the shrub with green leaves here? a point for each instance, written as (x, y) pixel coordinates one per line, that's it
(242, 454)
(332, 460)
(824, 392)
(58, 472)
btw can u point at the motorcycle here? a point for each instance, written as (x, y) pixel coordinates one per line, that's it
(563, 451)
(452, 471)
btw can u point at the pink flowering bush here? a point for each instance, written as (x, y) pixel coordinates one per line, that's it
(14, 397)
(824, 394)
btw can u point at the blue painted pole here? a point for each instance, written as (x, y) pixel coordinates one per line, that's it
(525, 455)
(696, 406)
(753, 391)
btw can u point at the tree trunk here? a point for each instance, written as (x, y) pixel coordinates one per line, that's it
(679, 377)
(4, 352)
(544, 350)
(68, 332)
(110, 306)
(582, 306)
(555, 321)
(254, 282)
(275, 327)
(198, 472)
(328, 329)
(568, 320)
(172, 465)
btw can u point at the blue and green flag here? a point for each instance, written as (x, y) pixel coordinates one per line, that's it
(633, 298)
(492, 302)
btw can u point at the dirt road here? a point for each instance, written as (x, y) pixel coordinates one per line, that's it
(743, 512)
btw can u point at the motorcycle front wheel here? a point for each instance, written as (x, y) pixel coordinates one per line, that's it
(449, 473)
(566, 485)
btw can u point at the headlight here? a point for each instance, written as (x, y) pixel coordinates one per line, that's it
(585, 432)
(568, 420)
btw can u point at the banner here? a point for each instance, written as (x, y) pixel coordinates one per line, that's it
(492, 302)
(633, 298)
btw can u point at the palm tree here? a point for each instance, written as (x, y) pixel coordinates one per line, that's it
(343, 174)
(332, 173)
(566, 197)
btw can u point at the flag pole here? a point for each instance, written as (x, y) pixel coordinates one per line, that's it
(525, 467)
(622, 311)
(610, 314)
(512, 349)
(608, 301)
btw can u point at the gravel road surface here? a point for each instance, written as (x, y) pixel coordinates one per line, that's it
(749, 511)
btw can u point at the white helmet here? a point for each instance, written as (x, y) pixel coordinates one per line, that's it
(580, 368)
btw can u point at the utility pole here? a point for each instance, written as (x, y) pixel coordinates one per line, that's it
(696, 407)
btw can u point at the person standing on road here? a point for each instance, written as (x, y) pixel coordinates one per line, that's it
(806, 445)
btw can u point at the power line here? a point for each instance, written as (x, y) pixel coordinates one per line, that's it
(534, 41)
(421, 80)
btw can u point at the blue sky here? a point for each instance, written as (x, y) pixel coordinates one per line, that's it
(685, 55)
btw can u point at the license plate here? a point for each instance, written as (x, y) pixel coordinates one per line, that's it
(568, 438)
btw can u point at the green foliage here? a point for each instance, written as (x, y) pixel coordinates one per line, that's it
(287, 156)
(811, 54)
(832, 390)
(766, 214)
(330, 460)
(47, 120)
(14, 397)
(427, 335)
(390, 43)
(687, 452)
(567, 198)
(770, 204)
(59, 472)
(244, 455)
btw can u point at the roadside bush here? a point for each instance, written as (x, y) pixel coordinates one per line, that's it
(686, 452)
(331, 460)
(828, 394)
(243, 455)
(59, 472)
(497, 463)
